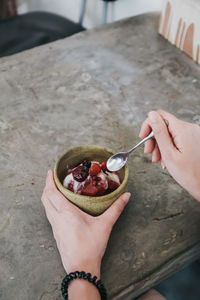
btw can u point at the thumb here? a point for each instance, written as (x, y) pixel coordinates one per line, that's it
(161, 135)
(111, 215)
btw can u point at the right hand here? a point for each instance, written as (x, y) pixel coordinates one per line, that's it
(176, 147)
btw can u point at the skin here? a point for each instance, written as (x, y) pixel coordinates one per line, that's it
(177, 147)
(82, 239)
(152, 295)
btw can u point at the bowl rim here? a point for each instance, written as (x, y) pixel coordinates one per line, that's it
(97, 198)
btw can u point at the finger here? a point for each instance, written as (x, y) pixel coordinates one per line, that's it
(111, 215)
(149, 146)
(152, 295)
(167, 116)
(145, 129)
(55, 198)
(161, 135)
(173, 122)
(162, 164)
(49, 210)
(156, 156)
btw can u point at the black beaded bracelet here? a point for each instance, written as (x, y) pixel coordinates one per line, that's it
(85, 276)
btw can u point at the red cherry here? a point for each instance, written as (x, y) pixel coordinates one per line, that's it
(103, 165)
(94, 169)
(80, 173)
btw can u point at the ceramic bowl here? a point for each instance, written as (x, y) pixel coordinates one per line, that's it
(72, 157)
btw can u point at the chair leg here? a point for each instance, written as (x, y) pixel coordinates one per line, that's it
(105, 12)
(82, 14)
(8, 8)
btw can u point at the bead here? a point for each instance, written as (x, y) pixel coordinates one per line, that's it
(94, 279)
(77, 273)
(81, 274)
(68, 278)
(85, 276)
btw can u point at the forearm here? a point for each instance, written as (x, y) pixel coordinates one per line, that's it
(82, 289)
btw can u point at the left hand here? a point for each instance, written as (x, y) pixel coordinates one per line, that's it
(81, 238)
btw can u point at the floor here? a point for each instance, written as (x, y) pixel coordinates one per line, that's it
(184, 285)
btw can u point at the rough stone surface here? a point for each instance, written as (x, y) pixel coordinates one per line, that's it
(93, 88)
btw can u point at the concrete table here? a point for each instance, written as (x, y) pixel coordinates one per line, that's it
(94, 88)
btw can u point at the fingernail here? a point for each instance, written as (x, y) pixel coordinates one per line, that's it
(128, 194)
(128, 197)
(49, 171)
(163, 166)
(153, 117)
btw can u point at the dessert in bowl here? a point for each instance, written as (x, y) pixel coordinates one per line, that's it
(81, 176)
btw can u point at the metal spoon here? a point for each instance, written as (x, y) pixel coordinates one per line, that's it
(117, 161)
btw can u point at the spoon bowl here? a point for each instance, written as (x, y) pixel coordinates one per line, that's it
(118, 160)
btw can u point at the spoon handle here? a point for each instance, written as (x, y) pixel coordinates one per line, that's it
(142, 141)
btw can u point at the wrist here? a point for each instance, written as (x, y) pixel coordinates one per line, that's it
(89, 267)
(82, 289)
(82, 285)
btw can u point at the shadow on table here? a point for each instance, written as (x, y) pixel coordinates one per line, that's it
(184, 285)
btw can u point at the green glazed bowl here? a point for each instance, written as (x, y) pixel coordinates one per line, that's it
(92, 205)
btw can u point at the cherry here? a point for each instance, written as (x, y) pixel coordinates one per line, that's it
(80, 173)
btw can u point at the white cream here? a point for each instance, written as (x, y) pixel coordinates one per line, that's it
(76, 185)
(113, 177)
(103, 177)
(67, 180)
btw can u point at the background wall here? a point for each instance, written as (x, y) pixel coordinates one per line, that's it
(71, 9)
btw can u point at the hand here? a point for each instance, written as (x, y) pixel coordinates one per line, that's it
(81, 239)
(176, 147)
